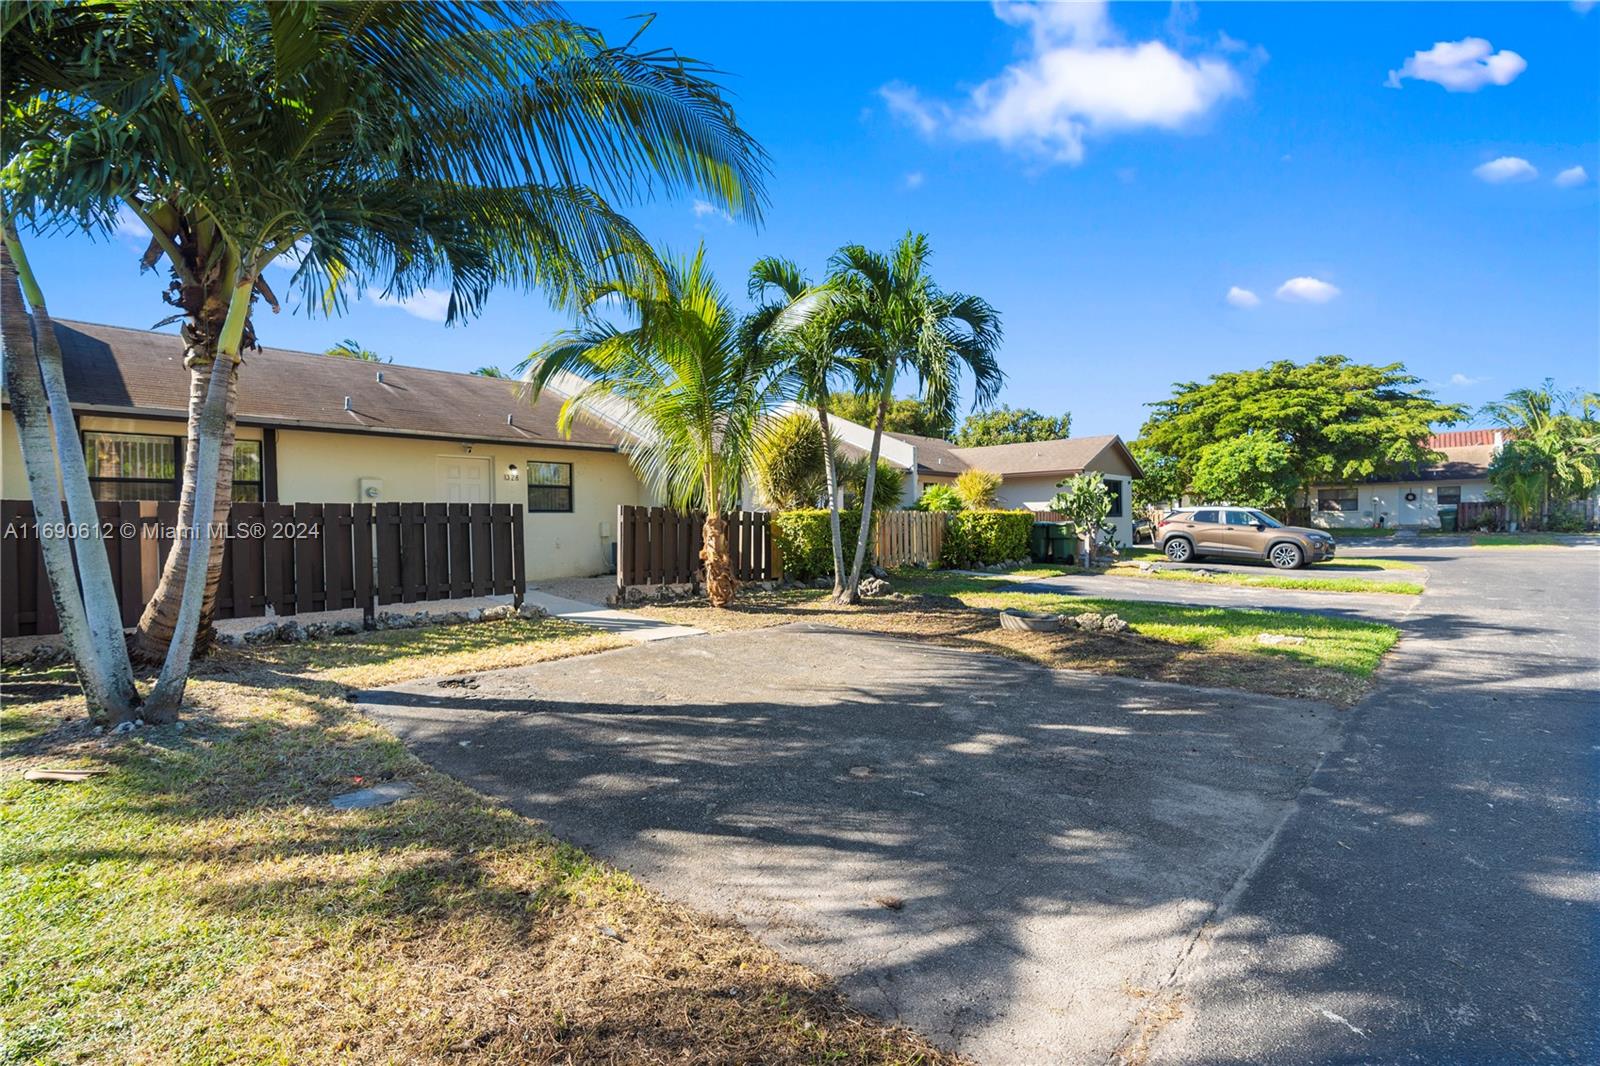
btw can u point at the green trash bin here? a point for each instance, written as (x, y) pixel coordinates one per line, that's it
(1447, 519)
(1039, 542)
(1063, 542)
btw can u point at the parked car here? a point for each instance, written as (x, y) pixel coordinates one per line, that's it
(1192, 533)
(1144, 531)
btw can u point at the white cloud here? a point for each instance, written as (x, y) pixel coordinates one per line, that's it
(130, 229)
(1507, 168)
(430, 304)
(1079, 79)
(1307, 290)
(1461, 381)
(914, 179)
(1463, 66)
(1572, 177)
(1583, 7)
(705, 209)
(1242, 297)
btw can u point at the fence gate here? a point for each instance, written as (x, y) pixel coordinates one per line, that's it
(909, 538)
(660, 546)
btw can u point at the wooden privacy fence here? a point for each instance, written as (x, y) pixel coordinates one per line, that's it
(294, 558)
(660, 546)
(1491, 514)
(909, 538)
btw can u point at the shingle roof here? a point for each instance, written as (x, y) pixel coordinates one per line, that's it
(134, 371)
(1459, 464)
(1066, 456)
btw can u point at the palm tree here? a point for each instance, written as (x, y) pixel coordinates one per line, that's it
(1554, 451)
(896, 320)
(800, 321)
(700, 398)
(396, 145)
(352, 349)
(489, 372)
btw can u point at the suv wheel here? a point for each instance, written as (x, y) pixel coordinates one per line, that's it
(1286, 556)
(1179, 550)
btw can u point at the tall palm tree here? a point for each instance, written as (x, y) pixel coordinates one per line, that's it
(895, 321)
(800, 321)
(1554, 451)
(353, 349)
(699, 397)
(395, 145)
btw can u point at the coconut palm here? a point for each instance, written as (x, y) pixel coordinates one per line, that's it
(895, 320)
(386, 145)
(1553, 455)
(799, 320)
(699, 397)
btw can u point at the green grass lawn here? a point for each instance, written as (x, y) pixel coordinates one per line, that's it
(200, 902)
(1531, 540)
(1350, 646)
(1274, 581)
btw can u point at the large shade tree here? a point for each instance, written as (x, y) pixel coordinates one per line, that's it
(390, 145)
(1335, 420)
(698, 398)
(897, 323)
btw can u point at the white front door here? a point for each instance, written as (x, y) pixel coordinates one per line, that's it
(463, 479)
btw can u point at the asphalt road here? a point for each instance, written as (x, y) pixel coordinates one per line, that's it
(1095, 866)
(1435, 898)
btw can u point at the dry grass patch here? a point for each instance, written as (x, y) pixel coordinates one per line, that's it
(201, 903)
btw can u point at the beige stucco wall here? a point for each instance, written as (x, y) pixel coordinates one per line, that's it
(1389, 503)
(329, 467)
(317, 467)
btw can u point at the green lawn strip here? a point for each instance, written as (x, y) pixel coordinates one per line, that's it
(1530, 540)
(1275, 581)
(1348, 645)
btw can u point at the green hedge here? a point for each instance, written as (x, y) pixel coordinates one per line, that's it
(805, 545)
(982, 538)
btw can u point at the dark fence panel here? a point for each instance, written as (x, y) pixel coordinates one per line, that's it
(660, 546)
(302, 558)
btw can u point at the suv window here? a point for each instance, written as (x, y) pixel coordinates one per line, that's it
(1240, 518)
(1205, 516)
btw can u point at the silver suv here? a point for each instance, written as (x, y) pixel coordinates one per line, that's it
(1192, 533)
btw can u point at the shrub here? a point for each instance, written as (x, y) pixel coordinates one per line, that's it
(789, 462)
(983, 538)
(886, 487)
(804, 543)
(977, 489)
(939, 498)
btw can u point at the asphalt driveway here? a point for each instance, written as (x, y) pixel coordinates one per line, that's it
(1008, 858)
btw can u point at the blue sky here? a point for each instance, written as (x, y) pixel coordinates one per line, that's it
(1106, 178)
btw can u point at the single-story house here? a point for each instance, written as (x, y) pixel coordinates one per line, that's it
(1413, 498)
(1029, 472)
(323, 429)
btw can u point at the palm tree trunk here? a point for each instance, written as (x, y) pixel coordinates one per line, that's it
(167, 696)
(102, 665)
(720, 582)
(832, 474)
(850, 593)
(160, 617)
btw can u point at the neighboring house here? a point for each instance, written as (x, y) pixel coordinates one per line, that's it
(1413, 498)
(323, 429)
(1029, 472)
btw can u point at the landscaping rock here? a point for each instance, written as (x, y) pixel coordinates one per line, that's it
(1087, 620)
(317, 630)
(475, 615)
(345, 628)
(1112, 624)
(532, 612)
(226, 640)
(265, 633)
(1279, 638)
(497, 613)
(822, 583)
(874, 586)
(292, 632)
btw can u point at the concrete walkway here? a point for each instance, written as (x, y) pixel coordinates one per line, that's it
(622, 623)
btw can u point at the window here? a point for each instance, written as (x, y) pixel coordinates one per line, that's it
(1262, 518)
(1239, 518)
(1450, 495)
(1337, 500)
(132, 466)
(1114, 487)
(247, 471)
(549, 487)
(1206, 516)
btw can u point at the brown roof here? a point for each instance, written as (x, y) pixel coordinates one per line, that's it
(1046, 457)
(1461, 438)
(134, 371)
(1459, 464)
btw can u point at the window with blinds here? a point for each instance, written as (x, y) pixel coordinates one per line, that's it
(132, 466)
(549, 487)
